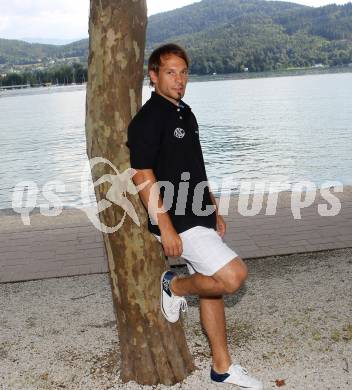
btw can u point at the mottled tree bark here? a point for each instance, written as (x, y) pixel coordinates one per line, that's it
(152, 350)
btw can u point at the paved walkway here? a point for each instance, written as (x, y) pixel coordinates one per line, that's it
(70, 245)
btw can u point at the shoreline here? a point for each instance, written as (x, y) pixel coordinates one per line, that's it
(8, 211)
(193, 78)
(69, 244)
(271, 74)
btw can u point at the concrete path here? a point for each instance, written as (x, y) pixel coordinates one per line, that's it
(70, 245)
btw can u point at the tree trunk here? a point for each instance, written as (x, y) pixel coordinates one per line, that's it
(152, 350)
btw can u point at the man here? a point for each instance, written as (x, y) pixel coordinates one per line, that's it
(165, 152)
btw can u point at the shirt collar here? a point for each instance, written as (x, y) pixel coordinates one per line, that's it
(162, 100)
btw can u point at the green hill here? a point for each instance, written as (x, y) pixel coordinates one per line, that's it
(207, 14)
(14, 52)
(226, 36)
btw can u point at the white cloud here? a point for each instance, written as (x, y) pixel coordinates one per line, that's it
(319, 3)
(64, 19)
(61, 19)
(156, 6)
(4, 21)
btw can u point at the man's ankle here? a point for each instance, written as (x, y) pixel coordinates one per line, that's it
(221, 368)
(171, 285)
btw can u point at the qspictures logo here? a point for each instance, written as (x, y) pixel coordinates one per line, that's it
(250, 199)
(25, 195)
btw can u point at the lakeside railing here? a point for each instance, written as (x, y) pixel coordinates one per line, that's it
(15, 86)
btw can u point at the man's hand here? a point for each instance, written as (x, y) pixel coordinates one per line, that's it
(152, 201)
(171, 242)
(220, 225)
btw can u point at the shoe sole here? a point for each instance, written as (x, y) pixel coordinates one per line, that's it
(161, 299)
(240, 387)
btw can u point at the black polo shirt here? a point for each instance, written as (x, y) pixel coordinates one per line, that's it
(165, 137)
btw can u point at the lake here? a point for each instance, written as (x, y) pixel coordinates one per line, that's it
(279, 130)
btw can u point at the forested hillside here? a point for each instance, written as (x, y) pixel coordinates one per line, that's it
(227, 36)
(16, 52)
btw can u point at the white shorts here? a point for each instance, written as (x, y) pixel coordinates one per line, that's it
(204, 250)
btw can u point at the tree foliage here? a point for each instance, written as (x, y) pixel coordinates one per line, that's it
(63, 74)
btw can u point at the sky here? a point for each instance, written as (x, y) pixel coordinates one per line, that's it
(62, 21)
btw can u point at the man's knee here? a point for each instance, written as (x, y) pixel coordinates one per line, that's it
(233, 275)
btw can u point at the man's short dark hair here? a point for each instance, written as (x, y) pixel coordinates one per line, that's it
(154, 61)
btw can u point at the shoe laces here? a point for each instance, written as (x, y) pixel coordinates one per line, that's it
(237, 366)
(179, 303)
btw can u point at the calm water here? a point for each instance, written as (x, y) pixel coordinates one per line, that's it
(282, 130)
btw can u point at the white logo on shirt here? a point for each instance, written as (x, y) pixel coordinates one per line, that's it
(179, 133)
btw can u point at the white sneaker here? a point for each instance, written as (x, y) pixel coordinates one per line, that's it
(237, 375)
(170, 304)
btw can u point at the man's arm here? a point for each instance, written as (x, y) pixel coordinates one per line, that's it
(220, 223)
(152, 201)
(212, 198)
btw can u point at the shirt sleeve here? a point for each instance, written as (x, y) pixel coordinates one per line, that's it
(143, 140)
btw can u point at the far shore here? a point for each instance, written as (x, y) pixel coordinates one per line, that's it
(194, 78)
(274, 73)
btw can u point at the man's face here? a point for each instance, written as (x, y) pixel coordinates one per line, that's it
(172, 78)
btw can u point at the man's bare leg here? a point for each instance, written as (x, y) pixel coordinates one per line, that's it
(212, 316)
(212, 309)
(197, 284)
(225, 281)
